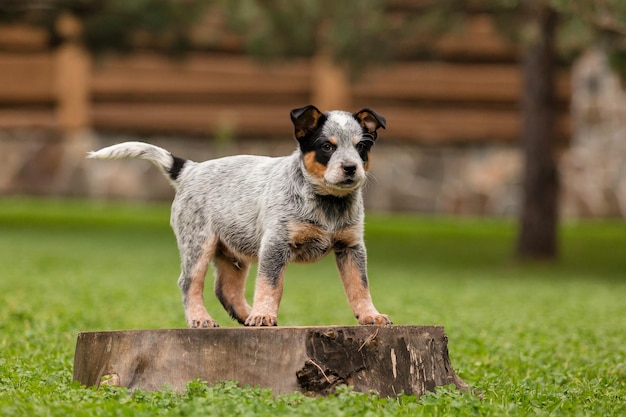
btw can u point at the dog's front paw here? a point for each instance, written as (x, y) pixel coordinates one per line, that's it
(198, 317)
(261, 320)
(201, 320)
(374, 319)
(202, 323)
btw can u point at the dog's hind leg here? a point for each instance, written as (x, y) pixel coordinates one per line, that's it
(195, 262)
(230, 281)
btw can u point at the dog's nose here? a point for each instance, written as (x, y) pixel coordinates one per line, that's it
(349, 168)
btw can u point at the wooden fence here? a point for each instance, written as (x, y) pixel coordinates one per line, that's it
(447, 102)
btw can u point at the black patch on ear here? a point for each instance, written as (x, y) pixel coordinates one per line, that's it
(306, 120)
(370, 121)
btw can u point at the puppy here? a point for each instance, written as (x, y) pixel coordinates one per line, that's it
(242, 209)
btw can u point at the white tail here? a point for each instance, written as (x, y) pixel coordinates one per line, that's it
(167, 163)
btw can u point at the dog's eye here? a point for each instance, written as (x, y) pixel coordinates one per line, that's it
(328, 147)
(362, 146)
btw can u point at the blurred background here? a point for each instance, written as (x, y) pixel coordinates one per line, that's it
(498, 108)
(505, 144)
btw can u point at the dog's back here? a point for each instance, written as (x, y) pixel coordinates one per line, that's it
(234, 197)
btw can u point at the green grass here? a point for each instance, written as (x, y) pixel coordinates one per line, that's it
(535, 339)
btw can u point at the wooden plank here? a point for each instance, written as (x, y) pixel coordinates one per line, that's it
(415, 124)
(26, 78)
(242, 119)
(437, 126)
(449, 82)
(149, 76)
(21, 37)
(146, 75)
(388, 360)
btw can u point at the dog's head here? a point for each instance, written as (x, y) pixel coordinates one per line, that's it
(336, 147)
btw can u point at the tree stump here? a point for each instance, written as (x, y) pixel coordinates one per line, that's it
(386, 360)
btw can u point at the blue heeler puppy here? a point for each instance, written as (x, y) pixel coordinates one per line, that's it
(243, 209)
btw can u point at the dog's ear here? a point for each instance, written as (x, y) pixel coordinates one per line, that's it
(305, 120)
(370, 121)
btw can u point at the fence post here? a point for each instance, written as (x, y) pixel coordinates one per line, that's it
(72, 76)
(330, 86)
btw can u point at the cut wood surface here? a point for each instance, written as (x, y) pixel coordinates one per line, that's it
(386, 360)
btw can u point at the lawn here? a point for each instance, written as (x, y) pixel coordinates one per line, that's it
(534, 339)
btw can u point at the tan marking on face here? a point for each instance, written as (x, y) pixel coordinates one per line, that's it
(333, 140)
(366, 165)
(312, 166)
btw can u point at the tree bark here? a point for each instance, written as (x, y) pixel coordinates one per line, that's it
(539, 215)
(387, 360)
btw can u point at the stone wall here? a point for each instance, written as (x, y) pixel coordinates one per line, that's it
(467, 180)
(594, 167)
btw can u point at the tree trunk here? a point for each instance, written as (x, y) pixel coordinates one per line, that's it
(387, 360)
(539, 215)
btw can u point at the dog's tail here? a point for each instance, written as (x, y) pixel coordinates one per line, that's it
(170, 165)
